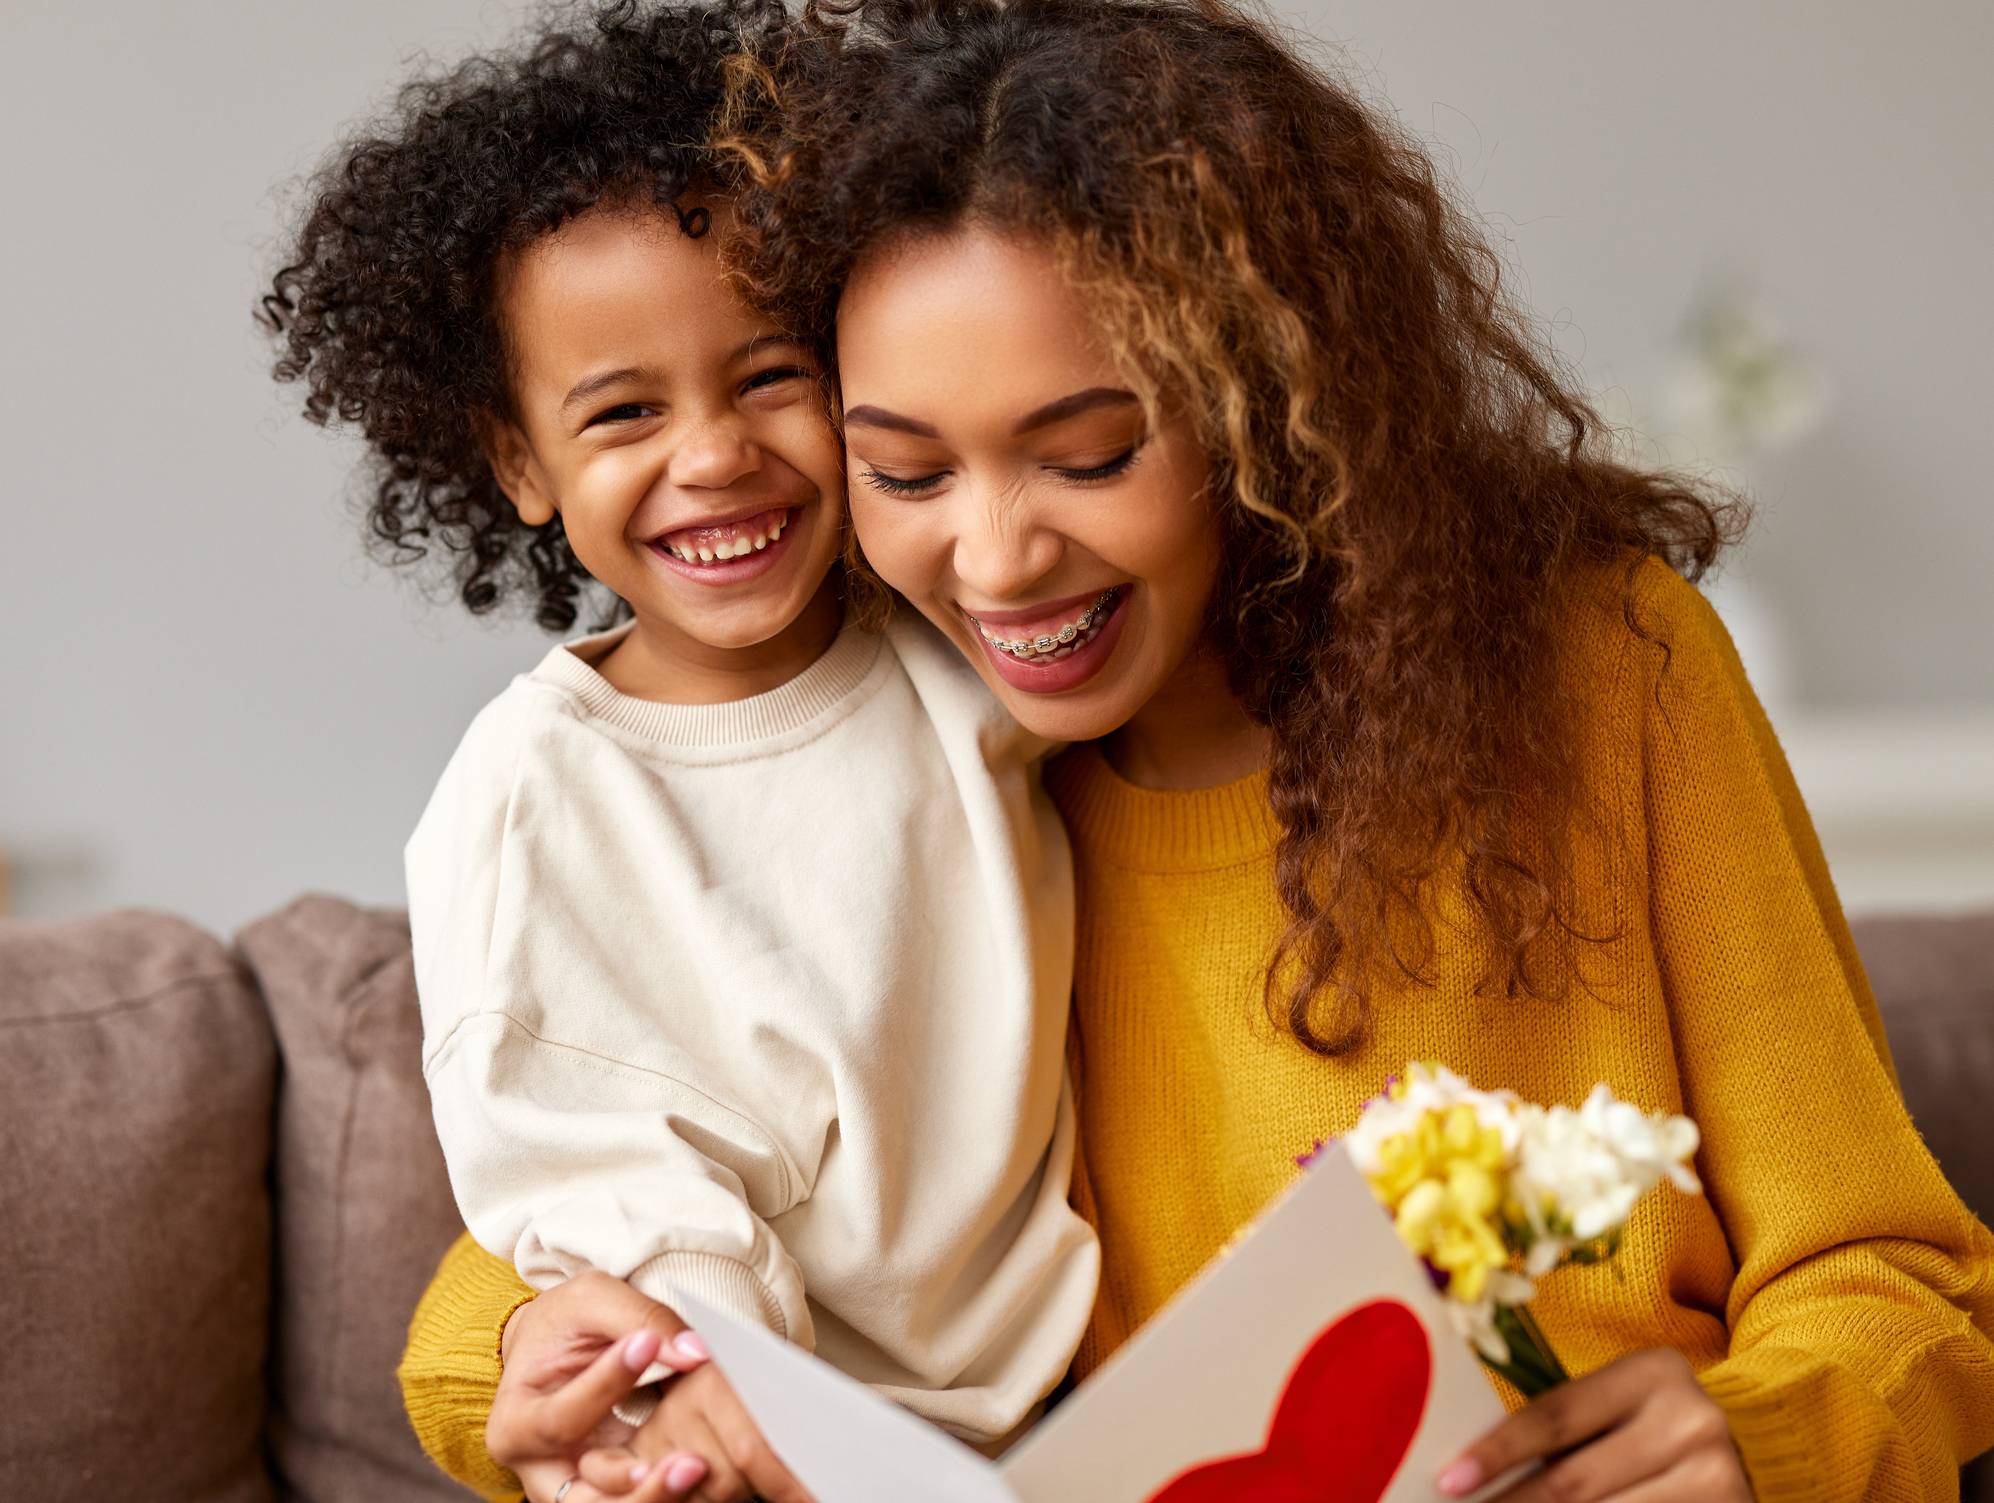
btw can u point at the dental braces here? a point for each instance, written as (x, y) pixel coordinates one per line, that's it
(1066, 636)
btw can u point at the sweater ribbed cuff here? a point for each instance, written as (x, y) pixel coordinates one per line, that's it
(1752, 1390)
(724, 1283)
(712, 1279)
(450, 1373)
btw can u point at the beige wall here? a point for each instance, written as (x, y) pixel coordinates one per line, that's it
(211, 704)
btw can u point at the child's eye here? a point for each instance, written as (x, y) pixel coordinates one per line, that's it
(895, 485)
(774, 376)
(622, 412)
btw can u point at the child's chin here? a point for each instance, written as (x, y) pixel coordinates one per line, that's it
(739, 624)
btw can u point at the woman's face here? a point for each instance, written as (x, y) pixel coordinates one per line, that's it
(1003, 478)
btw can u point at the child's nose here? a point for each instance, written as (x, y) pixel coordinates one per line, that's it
(712, 453)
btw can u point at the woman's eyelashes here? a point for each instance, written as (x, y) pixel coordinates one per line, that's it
(918, 485)
(899, 485)
(1082, 475)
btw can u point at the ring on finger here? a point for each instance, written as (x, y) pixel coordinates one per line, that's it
(562, 1491)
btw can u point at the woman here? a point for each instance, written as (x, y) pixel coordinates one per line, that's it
(1406, 739)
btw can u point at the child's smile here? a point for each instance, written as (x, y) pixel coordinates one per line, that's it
(719, 542)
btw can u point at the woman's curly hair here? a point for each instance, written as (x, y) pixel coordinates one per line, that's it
(1415, 490)
(385, 307)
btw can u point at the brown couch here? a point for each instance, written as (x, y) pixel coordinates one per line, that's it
(220, 1193)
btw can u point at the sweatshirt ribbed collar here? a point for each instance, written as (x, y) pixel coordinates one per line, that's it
(818, 689)
(1110, 819)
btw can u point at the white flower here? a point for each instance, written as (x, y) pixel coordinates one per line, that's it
(1650, 1147)
(1579, 1173)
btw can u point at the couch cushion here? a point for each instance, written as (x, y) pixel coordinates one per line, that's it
(364, 1209)
(136, 1079)
(1934, 984)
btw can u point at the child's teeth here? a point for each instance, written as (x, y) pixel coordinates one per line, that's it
(726, 548)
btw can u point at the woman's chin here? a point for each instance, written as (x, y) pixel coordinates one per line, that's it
(1086, 713)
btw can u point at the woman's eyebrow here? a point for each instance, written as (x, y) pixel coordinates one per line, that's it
(892, 422)
(1066, 407)
(1040, 417)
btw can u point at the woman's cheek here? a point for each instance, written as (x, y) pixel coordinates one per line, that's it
(888, 534)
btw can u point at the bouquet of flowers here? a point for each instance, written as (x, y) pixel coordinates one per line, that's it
(1493, 1193)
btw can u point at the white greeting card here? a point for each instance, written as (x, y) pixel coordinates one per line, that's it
(1312, 1362)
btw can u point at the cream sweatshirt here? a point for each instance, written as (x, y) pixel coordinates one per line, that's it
(768, 1001)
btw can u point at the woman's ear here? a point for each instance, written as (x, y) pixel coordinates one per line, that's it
(518, 471)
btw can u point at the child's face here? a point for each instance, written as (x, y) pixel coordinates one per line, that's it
(681, 439)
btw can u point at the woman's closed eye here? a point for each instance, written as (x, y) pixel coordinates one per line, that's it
(918, 485)
(903, 485)
(1107, 470)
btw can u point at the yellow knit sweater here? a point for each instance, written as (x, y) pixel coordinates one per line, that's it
(1830, 1288)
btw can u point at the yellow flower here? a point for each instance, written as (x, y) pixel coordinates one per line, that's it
(1447, 1223)
(1443, 1180)
(1435, 1143)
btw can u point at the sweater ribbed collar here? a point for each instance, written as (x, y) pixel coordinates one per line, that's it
(844, 667)
(1110, 819)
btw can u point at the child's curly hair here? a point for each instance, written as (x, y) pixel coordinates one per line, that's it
(1416, 493)
(385, 306)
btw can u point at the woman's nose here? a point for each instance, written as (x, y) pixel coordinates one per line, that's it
(1003, 549)
(713, 452)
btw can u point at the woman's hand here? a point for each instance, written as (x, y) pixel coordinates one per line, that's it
(700, 1415)
(1640, 1431)
(568, 1357)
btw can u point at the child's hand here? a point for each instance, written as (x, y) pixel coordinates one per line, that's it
(700, 1416)
(615, 1472)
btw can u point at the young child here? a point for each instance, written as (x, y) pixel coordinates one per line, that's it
(743, 934)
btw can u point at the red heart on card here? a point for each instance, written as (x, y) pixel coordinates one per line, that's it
(1343, 1424)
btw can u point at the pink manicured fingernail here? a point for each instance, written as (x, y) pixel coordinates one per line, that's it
(1462, 1478)
(685, 1472)
(640, 1349)
(689, 1345)
(639, 1472)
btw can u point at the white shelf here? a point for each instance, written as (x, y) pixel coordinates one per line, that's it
(1903, 800)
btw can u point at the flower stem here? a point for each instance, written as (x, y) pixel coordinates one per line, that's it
(1533, 1367)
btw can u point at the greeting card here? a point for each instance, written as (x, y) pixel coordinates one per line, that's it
(1312, 1362)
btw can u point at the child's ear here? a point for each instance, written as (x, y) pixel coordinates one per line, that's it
(517, 471)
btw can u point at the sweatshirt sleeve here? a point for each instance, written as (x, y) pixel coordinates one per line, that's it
(450, 1368)
(583, 1107)
(1861, 1316)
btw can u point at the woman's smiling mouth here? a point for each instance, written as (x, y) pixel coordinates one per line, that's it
(1053, 648)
